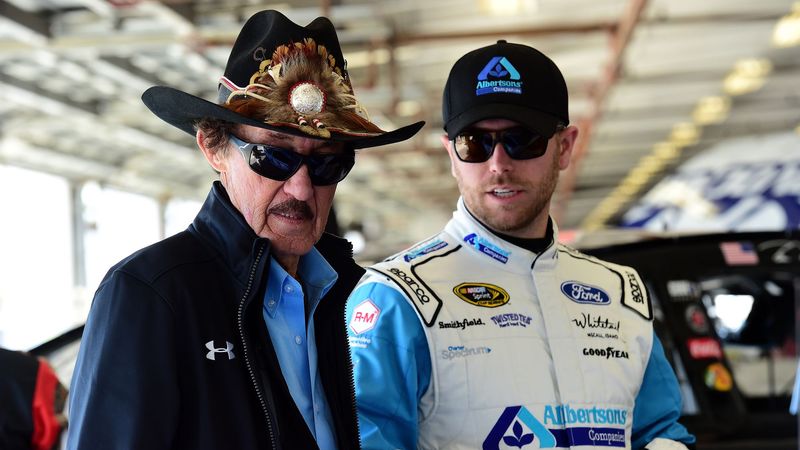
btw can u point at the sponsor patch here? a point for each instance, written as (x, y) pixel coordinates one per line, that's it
(517, 427)
(487, 248)
(704, 348)
(567, 415)
(696, 319)
(636, 290)
(421, 251)
(412, 283)
(512, 320)
(459, 351)
(365, 316)
(718, 378)
(498, 76)
(482, 294)
(584, 293)
(461, 324)
(596, 321)
(359, 341)
(607, 353)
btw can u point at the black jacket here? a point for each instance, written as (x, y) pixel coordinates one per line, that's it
(175, 353)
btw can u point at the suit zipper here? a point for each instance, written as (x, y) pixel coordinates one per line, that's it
(240, 323)
(352, 379)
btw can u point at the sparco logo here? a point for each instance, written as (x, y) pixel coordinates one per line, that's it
(584, 293)
(228, 349)
(608, 352)
(636, 290)
(482, 294)
(412, 283)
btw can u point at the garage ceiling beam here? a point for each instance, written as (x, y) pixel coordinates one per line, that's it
(37, 23)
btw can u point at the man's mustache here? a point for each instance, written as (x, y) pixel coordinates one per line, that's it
(292, 208)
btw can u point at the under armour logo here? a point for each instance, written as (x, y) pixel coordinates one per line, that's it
(214, 350)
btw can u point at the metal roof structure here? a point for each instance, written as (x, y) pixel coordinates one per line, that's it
(652, 82)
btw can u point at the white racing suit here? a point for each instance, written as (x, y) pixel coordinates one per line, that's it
(466, 341)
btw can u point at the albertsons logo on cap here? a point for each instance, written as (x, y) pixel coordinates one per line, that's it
(498, 76)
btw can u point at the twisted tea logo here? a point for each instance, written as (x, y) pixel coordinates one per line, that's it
(482, 294)
(214, 350)
(412, 283)
(636, 290)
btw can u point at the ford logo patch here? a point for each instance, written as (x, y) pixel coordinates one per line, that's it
(583, 293)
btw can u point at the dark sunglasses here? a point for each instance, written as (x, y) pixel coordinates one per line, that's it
(477, 146)
(280, 164)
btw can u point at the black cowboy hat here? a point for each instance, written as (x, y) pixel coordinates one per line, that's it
(298, 75)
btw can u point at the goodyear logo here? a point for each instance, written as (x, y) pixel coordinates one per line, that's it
(482, 294)
(584, 293)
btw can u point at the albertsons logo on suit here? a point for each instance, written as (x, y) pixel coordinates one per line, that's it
(518, 428)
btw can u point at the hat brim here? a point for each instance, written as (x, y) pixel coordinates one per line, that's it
(543, 123)
(183, 110)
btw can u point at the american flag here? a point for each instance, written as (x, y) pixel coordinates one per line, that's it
(739, 253)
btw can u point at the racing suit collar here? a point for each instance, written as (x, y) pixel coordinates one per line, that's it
(476, 237)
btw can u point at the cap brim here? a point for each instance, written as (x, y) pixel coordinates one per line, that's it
(183, 110)
(543, 123)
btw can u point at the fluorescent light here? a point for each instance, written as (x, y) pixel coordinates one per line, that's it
(787, 29)
(712, 109)
(747, 76)
(509, 7)
(684, 134)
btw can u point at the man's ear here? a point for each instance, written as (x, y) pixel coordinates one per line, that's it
(446, 144)
(566, 143)
(214, 157)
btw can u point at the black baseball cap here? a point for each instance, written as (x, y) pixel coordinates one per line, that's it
(505, 81)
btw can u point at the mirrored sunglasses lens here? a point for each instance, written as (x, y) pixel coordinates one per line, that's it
(274, 162)
(473, 147)
(521, 143)
(325, 170)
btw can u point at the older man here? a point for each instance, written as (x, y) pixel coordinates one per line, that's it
(230, 334)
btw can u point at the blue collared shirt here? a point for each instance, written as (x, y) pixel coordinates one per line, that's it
(293, 339)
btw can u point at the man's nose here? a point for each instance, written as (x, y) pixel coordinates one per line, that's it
(500, 161)
(299, 185)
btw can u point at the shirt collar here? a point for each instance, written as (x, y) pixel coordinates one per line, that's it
(318, 277)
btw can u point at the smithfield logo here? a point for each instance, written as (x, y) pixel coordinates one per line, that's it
(461, 324)
(487, 248)
(432, 247)
(584, 293)
(212, 351)
(482, 294)
(505, 78)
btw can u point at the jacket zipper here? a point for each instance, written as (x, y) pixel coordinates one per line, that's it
(352, 377)
(240, 323)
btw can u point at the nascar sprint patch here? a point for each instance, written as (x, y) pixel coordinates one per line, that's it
(482, 294)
